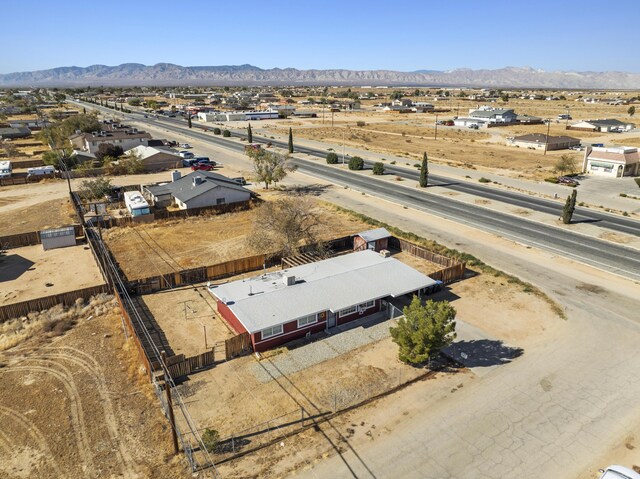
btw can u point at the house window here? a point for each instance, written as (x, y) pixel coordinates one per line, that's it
(307, 320)
(358, 308)
(220, 201)
(270, 332)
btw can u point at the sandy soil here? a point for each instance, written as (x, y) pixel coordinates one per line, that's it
(48, 214)
(79, 408)
(167, 246)
(31, 272)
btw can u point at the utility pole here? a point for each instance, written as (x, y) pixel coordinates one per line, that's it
(546, 143)
(343, 132)
(566, 124)
(167, 388)
(435, 135)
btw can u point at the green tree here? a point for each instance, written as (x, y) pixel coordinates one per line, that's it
(569, 207)
(631, 110)
(152, 104)
(95, 188)
(189, 121)
(424, 171)
(109, 149)
(396, 95)
(216, 131)
(268, 166)
(134, 101)
(356, 163)
(565, 164)
(505, 97)
(332, 158)
(226, 133)
(378, 168)
(290, 140)
(249, 134)
(424, 330)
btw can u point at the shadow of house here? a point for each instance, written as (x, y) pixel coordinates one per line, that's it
(13, 266)
(482, 353)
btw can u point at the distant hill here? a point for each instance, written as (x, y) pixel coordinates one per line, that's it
(167, 74)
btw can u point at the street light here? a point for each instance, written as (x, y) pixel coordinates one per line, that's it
(546, 143)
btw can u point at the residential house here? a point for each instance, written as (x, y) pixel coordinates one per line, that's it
(423, 107)
(402, 102)
(602, 125)
(275, 308)
(494, 115)
(196, 190)
(126, 139)
(539, 141)
(467, 122)
(156, 159)
(614, 162)
(12, 133)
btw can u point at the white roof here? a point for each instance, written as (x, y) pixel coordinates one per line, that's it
(374, 235)
(145, 152)
(332, 284)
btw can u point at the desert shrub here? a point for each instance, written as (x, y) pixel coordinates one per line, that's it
(484, 180)
(356, 163)
(637, 180)
(332, 158)
(361, 123)
(393, 162)
(226, 133)
(210, 439)
(551, 179)
(217, 131)
(378, 168)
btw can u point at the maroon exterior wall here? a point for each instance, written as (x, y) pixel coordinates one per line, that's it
(230, 318)
(382, 244)
(290, 332)
(356, 315)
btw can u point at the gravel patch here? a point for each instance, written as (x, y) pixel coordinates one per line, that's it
(347, 338)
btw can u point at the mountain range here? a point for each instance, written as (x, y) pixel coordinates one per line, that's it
(167, 74)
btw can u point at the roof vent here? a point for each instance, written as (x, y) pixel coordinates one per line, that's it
(289, 279)
(197, 180)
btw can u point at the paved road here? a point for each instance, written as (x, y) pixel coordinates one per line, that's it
(604, 220)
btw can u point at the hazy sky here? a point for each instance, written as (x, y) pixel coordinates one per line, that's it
(397, 35)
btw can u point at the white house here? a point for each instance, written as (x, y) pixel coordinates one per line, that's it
(493, 115)
(602, 125)
(126, 139)
(196, 190)
(613, 162)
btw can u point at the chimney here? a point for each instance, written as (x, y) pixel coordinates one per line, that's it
(175, 175)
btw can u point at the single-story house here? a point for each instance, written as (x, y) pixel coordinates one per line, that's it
(156, 159)
(467, 122)
(12, 133)
(528, 120)
(539, 140)
(614, 162)
(82, 156)
(275, 308)
(197, 189)
(125, 139)
(376, 240)
(602, 125)
(494, 115)
(399, 109)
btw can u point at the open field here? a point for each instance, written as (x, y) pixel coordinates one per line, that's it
(77, 406)
(166, 246)
(47, 214)
(30, 272)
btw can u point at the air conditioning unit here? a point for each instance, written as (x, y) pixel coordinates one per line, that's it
(385, 253)
(289, 279)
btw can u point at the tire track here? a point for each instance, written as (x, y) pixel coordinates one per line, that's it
(124, 457)
(34, 433)
(77, 414)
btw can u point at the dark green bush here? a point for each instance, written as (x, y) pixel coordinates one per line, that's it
(378, 168)
(332, 158)
(356, 163)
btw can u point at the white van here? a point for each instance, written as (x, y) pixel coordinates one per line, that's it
(618, 472)
(5, 169)
(41, 170)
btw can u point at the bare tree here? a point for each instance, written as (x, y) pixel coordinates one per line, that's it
(269, 167)
(566, 163)
(286, 225)
(9, 149)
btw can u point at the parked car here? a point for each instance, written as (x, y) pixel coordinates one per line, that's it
(567, 180)
(204, 159)
(474, 126)
(240, 180)
(186, 154)
(618, 472)
(201, 167)
(185, 145)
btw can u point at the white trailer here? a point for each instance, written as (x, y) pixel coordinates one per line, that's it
(5, 169)
(41, 170)
(136, 204)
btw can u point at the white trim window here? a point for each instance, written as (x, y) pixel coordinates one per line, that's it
(307, 320)
(271, 332)
(359, 308)
(347, 311)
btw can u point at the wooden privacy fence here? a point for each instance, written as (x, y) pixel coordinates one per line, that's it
(16, 310)
(450, 274)
(143, 347)
(453, 269)
(237, 346)
(29, 239)
(179, 366)
(201, 274)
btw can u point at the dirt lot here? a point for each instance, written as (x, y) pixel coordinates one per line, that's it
(48, 214)
(166, 246)
(31, 272)
(78, 407)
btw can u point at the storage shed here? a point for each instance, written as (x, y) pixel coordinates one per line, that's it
(375, 240)
(58, 237)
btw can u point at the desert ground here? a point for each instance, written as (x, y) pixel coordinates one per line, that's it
(23, 218)
(78, 406)
(31, 272)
